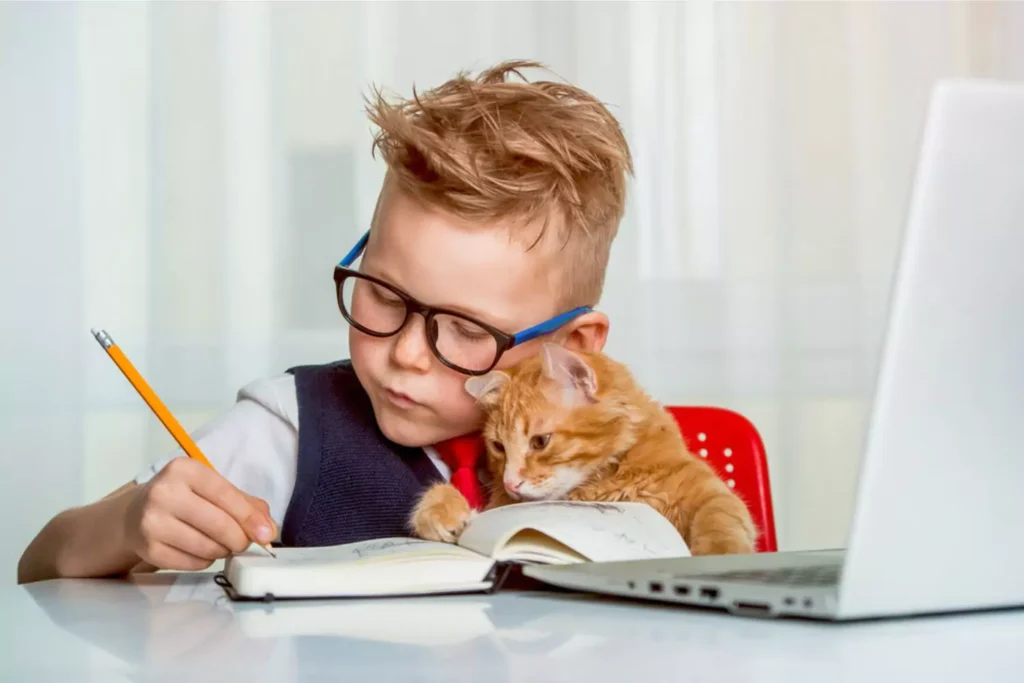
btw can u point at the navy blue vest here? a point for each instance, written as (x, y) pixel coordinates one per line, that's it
(352, 484)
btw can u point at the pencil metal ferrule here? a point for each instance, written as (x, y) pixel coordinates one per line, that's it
(103, 338)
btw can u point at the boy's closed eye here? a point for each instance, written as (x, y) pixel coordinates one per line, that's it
(468, 330)
(385, 296)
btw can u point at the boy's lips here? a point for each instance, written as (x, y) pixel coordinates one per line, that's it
(401, 400)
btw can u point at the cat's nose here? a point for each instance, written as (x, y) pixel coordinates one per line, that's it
(512, 485)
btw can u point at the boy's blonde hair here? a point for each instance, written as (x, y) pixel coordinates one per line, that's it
(489, 148)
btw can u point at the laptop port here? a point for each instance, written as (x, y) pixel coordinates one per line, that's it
(682, 590)
(752, 608)
(657, 587)
(709, 593)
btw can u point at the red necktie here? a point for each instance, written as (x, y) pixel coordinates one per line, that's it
(462, 454)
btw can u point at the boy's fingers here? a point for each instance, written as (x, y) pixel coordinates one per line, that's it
(214, 523)
(166, 557)
(263, 507)
(191, 541)
(221, 493)
(259, 504)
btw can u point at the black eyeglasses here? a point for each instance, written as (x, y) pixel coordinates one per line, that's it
(463, 343)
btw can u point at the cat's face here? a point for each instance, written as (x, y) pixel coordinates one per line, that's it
(548, 428)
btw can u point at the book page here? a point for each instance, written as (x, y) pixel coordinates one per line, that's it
(354, 552)
(600, 532)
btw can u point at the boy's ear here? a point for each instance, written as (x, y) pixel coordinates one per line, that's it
(589, 332)
(485, 388)
(571, 373)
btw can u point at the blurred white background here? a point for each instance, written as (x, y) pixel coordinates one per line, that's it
(186, 176)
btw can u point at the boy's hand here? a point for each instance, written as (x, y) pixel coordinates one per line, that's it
(187, 516)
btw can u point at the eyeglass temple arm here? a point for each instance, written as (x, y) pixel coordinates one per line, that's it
(548, 326)
(351, 255)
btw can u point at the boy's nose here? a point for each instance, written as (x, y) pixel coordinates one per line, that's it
(410, 348)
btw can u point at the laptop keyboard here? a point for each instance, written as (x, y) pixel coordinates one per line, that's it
(821, 575)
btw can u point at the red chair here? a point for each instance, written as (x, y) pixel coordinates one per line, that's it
(734, 449)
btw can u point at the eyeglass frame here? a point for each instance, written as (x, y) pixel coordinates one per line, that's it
(504, 340)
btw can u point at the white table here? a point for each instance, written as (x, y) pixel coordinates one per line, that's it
(181, 628)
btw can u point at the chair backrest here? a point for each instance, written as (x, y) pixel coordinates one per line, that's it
(734, 449)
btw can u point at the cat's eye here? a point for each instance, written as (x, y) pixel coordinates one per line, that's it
(497, 447)
(539, 441)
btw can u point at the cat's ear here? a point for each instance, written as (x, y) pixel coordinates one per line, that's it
(577, 379)
(485, 388)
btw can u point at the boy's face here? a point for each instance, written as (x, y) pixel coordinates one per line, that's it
(481, 271)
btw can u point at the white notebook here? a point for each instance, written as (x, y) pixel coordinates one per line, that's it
(555, 532)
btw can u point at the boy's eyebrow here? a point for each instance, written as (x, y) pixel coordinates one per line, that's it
(502, 325)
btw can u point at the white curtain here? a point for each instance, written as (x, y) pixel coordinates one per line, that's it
(187, 174)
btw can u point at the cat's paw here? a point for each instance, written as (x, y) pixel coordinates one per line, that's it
(722, 545)
(723, 535)
(441, 514)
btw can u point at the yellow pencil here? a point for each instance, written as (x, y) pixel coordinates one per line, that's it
(154, 403)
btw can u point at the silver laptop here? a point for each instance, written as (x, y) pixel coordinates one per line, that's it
(939, 518)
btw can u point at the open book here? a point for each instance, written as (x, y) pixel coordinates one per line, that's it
(554, 532)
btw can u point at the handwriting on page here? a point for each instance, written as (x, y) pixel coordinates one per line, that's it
(599, 531)
(352, 552)
(383, 546)
(608, 532)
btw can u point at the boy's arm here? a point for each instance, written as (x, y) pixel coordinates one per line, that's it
(82, 541)
(180, 514)
(185, 518)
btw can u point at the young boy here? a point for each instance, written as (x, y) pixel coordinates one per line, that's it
(496, 216)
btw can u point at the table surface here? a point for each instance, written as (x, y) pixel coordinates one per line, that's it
(181, 627)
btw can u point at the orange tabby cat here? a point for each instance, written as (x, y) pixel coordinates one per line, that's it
(575, 426)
